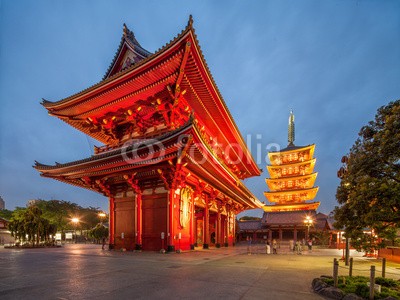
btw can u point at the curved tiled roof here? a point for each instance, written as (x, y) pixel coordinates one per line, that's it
(214, 94)
(127, 37)
(50, 104)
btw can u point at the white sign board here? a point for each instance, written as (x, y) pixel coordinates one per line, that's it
(68, 236)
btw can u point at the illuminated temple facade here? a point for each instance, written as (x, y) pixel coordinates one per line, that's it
(291, 190)
(167, 164)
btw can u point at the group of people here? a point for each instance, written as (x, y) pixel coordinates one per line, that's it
(296, 247)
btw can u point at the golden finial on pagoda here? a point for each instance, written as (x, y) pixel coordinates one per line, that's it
(291, 135)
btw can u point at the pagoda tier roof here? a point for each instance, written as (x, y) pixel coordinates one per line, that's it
(289, 150)
(304, 194)
(148, 159)
(273, 169)
(292, 148)
(178, 68)
(287, 217)
(310, 177)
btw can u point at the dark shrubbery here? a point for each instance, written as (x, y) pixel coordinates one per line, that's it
(358, 285)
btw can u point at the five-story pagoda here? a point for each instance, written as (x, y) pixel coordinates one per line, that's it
(292, 178)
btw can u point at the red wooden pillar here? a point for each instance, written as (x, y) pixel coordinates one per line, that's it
(225, 231)
(171, 246)
(139, 221)
(218, 233)
(111, 224)
(192, 227)
(206, 226)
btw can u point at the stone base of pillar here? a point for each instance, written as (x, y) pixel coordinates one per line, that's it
(218, 245)
(205, 246)
(171, 248)
(138, 247)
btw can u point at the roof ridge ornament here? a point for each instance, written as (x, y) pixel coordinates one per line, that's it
(190, 22)
(129, 33)
(291, 132)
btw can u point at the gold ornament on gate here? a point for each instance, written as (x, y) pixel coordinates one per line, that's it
(184, 206)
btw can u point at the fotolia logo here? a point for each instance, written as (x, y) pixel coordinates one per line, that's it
(151, 151)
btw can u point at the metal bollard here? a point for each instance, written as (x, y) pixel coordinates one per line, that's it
(351, 267)
(335, 272)
(372, 283)
(383, 267)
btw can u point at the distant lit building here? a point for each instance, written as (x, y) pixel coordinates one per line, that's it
(32, 202)
(2, 204)
(5, 234)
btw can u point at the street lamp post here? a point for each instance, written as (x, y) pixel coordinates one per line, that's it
(341, 174)
(308, 222)
(75, 221)
(102, 216)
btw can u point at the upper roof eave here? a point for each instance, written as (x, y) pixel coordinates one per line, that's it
(291, 149)
(51, 106)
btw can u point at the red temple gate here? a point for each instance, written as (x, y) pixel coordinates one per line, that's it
(173, 159)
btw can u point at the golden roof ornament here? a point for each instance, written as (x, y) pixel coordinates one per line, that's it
(291, 134)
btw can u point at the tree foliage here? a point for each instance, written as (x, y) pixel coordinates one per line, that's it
(369, 191)
(37, 222)
(27, 224)
(99, 232)
(6, 214)
(61, 212)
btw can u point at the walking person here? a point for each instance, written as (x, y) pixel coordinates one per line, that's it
(274, 247)
(249, 240)
(291, 246)
(268, 248)
(103, 242)
(309, 245)
(298, 247)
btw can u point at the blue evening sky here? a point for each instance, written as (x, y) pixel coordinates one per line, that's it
(333, 62)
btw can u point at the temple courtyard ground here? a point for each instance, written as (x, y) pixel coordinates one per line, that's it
(78, 271)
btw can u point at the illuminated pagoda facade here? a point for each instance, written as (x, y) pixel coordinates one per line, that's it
(167, 166)
(291, 186)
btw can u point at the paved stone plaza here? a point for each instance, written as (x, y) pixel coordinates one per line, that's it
(87, 272)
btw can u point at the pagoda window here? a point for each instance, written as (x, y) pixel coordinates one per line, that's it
(290, 183)
(284, 171)
(296, 169)
(302, 171)
(290, 171)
